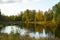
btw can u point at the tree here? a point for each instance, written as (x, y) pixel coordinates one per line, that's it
(11, 19)
(33, 14)
(39, 16)
(45, 16)
(19, 17)
(56, 10)
(50, 15)
(0, 15)
(0, 12)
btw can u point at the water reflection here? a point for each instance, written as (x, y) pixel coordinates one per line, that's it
(43, 34)
(37, 35)
(8, 29)
(23, 32)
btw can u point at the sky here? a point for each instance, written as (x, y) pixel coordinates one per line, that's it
(14, 7)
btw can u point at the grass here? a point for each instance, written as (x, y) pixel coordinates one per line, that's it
(4, 36)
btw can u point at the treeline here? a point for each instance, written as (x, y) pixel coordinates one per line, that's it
(50, 18)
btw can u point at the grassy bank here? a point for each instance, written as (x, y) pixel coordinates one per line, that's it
(16, 36)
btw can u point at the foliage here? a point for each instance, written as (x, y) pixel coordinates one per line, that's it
(56, 10)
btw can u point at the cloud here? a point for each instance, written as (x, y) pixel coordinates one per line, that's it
(30, 1)
(9, 1)
(27, 0)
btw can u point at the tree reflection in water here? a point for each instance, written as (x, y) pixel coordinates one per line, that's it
(23, 32)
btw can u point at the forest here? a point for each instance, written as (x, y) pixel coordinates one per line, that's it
(50, 20)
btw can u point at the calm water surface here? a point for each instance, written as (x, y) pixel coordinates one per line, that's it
(23, 32)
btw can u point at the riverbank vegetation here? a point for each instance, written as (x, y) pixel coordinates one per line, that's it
(18, 37)
(49, 20)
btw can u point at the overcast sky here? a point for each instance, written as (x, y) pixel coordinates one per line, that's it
(13, 7)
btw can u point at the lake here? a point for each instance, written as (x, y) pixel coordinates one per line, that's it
(23, 31)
